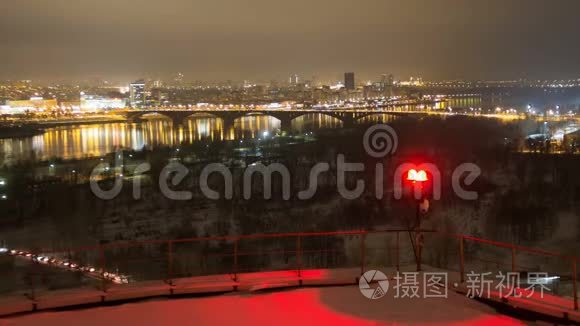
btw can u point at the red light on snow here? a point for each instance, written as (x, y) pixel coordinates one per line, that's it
(417, 176)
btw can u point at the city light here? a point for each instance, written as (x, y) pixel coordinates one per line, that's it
(57, 262)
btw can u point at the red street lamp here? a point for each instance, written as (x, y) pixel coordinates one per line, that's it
(417, 176)
(422, 207)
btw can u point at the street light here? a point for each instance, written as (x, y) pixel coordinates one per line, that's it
(418, 178)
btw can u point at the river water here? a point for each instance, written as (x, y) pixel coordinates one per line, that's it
(92, 140)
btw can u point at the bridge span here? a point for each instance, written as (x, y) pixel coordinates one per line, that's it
(228, 116)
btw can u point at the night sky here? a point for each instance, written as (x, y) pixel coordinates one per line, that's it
(271, 39)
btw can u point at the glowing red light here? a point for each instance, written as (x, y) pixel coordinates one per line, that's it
(417, 176)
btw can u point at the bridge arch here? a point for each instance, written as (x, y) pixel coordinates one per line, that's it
(357, 117)
(243, 115)
(204, 114)
(295, 115)
(304, 121)
(135, 116)
(286, 117)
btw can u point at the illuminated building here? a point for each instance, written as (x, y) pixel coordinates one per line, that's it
(137, 94)
(93, 103)
(294, 80)
(70, 105)
(418, 81)
(387, 83)
(34, 104)
(96, 103)
(349, 80)
(387, 80)
(158, 97)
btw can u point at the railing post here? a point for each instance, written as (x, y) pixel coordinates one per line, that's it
(362, 253)
(169, 261)
(513, 259)
(397, 252)
(299, 255)
(461, 260)
(574, 283)
(103, 266)
(32, 276)
(32, 290)
(419, 242)
(236, 260)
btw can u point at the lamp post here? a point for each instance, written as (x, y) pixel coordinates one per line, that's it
(418, 178)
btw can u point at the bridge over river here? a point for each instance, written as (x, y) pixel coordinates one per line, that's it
(348, 116)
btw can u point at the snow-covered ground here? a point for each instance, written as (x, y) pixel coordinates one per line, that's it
(288, 297)
(304, 306)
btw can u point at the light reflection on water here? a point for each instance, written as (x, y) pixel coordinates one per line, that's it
(80, 141)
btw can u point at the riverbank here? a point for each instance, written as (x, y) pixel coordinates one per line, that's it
(19, 131)
(29, 128)
(55, 122)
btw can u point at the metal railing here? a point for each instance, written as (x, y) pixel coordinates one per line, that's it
(102, 266)
(509, 257)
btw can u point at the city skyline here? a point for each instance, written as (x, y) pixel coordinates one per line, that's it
(289, 81)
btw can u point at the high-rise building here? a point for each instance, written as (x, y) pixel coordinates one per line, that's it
(387, 84)
(294, 80)
(137, 94)
(349, 80)
(387, 80)
(158, 97)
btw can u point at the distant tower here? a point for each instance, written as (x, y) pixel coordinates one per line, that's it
(387, 83)
(294, 80)
(137, 94)
(387, 80)
(349, 80)
(384, 80)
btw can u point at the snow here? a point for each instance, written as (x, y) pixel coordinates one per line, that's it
(283, 297)
(303, 306)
